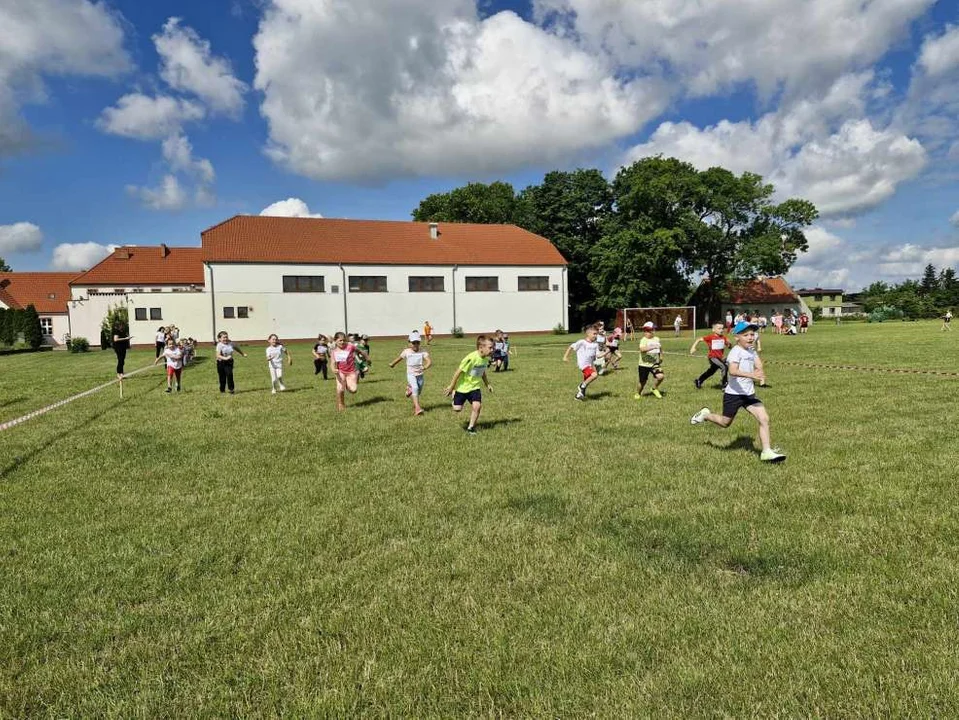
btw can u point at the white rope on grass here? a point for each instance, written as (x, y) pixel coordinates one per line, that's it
(60, 403)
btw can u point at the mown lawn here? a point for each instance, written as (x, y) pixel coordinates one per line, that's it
(201, 554)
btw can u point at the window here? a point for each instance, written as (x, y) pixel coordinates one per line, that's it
(482, 284)
(817, 298)
(156, 314)
(46, 326)
(303, 283)
(140, 313)
(532, 283)
(428, 283)
(228, 313)
(243, 312)
(367, 283)
(156, 289)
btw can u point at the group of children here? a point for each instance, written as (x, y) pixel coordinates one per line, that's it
(740, 371)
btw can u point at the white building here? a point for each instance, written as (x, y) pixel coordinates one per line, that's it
(48, 292)
(300, 276)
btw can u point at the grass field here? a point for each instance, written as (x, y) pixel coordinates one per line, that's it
(207, 554)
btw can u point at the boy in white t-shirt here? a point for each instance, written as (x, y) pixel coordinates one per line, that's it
(417, 363)
(274, 360)
(586, 351)
(173, 357)
(745, 366)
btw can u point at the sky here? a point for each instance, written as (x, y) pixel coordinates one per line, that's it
(134, 122)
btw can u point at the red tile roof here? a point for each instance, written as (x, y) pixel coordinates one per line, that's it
(146, 265)
(769, 290)
(257, 239)
(47, 292)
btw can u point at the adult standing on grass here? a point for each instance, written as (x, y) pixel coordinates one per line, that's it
(225, 349)
(745, 367)
(650, 361)
(121, 343)
(947, 320)
(465, 385)
(678, 325)
(160, 340)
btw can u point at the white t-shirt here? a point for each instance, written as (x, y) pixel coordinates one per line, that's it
(274, 355)
(161, 336)
(747, 363)
(601, 341)
(678, 322)
(225, 349)
(174, 357)
(414, 360)
(585, 353)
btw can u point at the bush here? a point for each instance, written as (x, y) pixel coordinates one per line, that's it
(79, 344)
(559, 329)
(457, 332)
(30, 325)
(886, 312)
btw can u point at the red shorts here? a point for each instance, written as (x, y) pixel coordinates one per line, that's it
(171, 371)
(588, 372)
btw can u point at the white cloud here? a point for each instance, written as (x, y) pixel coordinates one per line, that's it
(79, 256)
(170, 195)
(358, 89)
(188, 65)
(178, 152)
(291, 207)
(940, 55)
(909, 260)
(51, 37)
(709, 46)
(827, 262)
(143, 117)
(20, 237)
(824, 150)
(955, 218)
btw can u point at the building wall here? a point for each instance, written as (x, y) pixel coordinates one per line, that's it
(831, 305)
(190, 311)
(259, 288)
(61, 327)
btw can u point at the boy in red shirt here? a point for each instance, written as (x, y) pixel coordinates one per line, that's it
(716, 344)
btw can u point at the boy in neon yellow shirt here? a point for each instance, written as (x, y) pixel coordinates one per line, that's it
(467, 380)
(650, 361)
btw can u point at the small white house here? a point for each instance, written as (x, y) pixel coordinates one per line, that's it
(48, 292)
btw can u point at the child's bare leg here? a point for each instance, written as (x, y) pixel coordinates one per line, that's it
(340, 392)
(762, 417)
(721, 420)
(351, 383)
(475, 408)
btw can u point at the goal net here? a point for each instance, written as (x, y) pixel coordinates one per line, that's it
(664, 318)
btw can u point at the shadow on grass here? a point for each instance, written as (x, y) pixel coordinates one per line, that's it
(742, 442)
(437, 406)
(371, 401)
(14, 401)
(49, 442)
(598, 395)
(542, 506)
(489, 424)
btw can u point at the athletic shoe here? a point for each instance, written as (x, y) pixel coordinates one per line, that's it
(580, 395)
(273, 391)
(471, 431)
(657, 393)
(178, 388)
(282, 388)
(699, 417)
(699, 385)
(772, 456)
(169, 390)
(637, 396)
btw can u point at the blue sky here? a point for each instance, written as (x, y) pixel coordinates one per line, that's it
(146, 122)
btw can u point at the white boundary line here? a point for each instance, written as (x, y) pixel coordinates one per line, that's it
(37, 413)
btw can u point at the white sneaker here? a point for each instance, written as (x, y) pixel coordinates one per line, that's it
(282, 388)
(273, 391)
(772, 455)
(580, 396)
(699, 417)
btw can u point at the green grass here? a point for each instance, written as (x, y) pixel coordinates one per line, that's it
(200, 554)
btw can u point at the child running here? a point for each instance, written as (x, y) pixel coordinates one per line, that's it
(745, 366)
(321, 355)
(947, 321)
(274, 360)
(465, 385)
(173, 356)
(586, 351)
(650, 361)
(344, 364)
(417, 362)
(224, 360)
(716, 344)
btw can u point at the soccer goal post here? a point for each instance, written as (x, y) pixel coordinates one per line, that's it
(664, 318)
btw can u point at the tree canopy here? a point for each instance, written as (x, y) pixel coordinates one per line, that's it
(4, 267)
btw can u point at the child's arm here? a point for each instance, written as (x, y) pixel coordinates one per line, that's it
(395, 362)
(760, 371)
(288, 356)
(456, 376)
(489, 387)
(427, 363)
(316, 355)
(157, 361)
(364, 356)
(692, 350)
(566, 354)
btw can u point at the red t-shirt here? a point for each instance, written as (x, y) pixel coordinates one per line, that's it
(717, 345)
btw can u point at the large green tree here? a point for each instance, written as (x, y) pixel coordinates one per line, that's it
(930, 280)
(472, 203)
(30, 326)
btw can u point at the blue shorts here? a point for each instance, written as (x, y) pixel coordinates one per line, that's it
(416, 383)
(460, 399)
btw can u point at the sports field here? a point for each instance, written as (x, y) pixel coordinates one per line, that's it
(208, 554)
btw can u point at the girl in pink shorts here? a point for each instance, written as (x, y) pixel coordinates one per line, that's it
(344, 367)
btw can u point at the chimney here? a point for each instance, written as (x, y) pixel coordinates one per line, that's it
(434, 230)
(122, 254)
(164, 250)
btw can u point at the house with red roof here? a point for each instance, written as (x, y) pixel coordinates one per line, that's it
(759, 296)
(48, 292)
(256, 275)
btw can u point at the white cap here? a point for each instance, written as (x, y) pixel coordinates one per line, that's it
(414, 337)
(649, 326)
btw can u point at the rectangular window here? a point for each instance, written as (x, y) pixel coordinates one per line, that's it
(140, 313)
(46, 326)
(243, 312)
(303, 283)
(156, 314)
(427, 283)
(367, 283)
(482, 284)
(228, 313)
(533, 283)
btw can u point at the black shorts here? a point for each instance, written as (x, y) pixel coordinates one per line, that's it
(460, 398)
(732, 403)
(644, 372)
